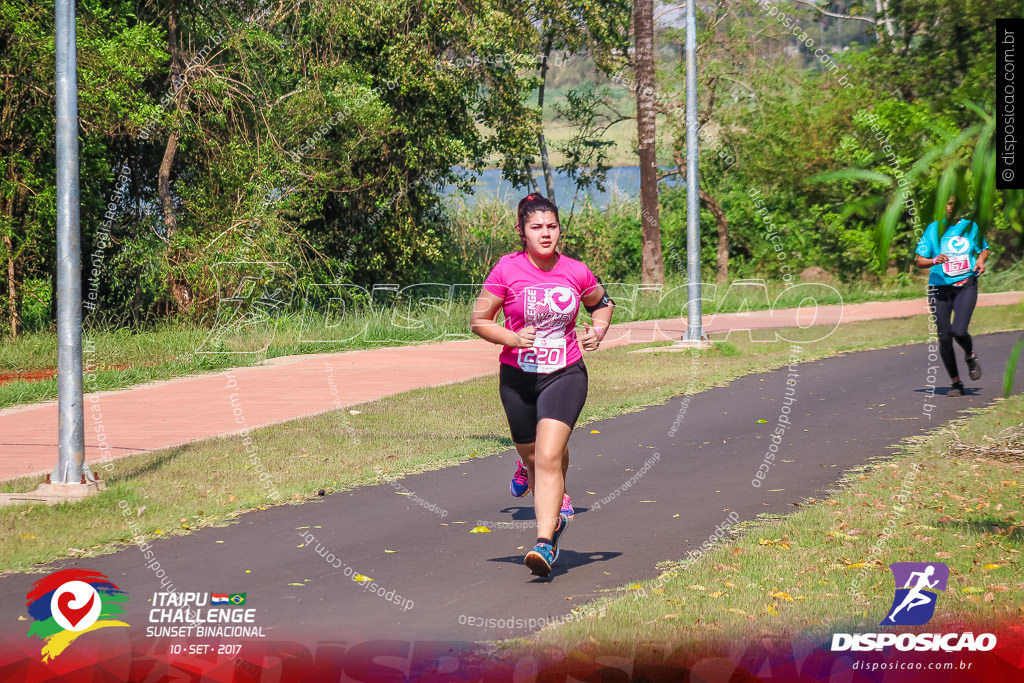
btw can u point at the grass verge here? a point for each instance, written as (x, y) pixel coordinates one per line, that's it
(165, 493)
(955, 495)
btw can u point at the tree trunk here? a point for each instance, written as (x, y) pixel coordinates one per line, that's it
(181, 292)
(533, 181)
(164, 185)
(7, 211)
(12, 289)
(884, 19)
(545, 162)
(723, 236)
(720, 220)
(652, 268)
(164, 174)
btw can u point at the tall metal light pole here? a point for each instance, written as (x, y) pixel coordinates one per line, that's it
(71, 458)
(694, 325)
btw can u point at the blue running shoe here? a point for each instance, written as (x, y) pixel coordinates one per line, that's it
(543, 556)
(520, 485)
(567, 507)
(563, 522)
(540, 559)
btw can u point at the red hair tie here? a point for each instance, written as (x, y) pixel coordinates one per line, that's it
(529, 197)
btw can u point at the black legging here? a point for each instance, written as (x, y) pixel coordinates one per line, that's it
(948, 301)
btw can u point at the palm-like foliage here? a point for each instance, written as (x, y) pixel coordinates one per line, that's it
(961, 163)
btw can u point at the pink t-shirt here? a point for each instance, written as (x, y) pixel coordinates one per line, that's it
(547, 300)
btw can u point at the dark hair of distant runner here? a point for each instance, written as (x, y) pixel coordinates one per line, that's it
(532, 203)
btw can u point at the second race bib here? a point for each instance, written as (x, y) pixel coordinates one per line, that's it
(546, 356)
(957, 248)
(956, 266)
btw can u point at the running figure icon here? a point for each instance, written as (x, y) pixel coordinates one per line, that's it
(915, 598)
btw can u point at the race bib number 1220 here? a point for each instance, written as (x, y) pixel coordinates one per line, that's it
(546, 356)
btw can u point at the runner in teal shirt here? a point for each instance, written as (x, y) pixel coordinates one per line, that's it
(959, 244)
(955, 258)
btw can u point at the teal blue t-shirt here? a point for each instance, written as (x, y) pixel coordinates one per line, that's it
(960, 243)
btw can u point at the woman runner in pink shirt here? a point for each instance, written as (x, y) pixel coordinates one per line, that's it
(542, 379)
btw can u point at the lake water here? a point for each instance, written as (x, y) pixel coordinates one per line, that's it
(623, 183)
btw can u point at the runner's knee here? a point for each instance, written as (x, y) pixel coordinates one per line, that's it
(544, 460)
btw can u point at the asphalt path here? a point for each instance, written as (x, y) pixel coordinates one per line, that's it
(846, 410)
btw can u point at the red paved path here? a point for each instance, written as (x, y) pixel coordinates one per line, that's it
(177, 411)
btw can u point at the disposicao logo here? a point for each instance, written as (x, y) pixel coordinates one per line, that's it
(69, 603)
(913, 604)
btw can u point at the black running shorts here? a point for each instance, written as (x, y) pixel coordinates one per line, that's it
(529, 397)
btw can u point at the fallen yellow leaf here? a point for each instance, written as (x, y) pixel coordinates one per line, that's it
(361, 578)
(783, 596)
(594, 431)
(479, 530)
(991, 566)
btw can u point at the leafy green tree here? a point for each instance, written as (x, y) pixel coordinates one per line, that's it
(116, 54)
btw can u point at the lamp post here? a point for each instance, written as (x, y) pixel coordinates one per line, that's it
(694, 324)
(71, 476)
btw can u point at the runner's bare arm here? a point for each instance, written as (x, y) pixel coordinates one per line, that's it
(601, 317)
(923, 262)
(482, 322)
(979, 268)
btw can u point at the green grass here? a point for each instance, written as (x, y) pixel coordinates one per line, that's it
(391, 436)
(126, 358)
(809, 574)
